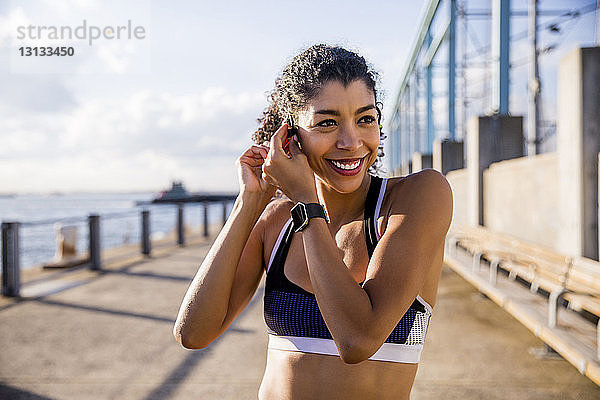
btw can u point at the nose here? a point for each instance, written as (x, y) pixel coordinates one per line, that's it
(348, 138)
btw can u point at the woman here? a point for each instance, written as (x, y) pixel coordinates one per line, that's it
(362, 255)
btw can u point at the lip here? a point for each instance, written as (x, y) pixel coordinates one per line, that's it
(347, 172)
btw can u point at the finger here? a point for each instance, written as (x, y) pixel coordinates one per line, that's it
(253, 156)
(294, 148)
(259, 151)
(265, 148)
(277, 140)
(253, 162)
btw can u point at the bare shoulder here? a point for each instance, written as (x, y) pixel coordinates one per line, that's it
(426, 194)
(274, 217)
(278, 207)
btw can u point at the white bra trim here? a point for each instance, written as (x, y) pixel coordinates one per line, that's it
(378, 206)
(426, 304)
(393, 352)
(278, 242)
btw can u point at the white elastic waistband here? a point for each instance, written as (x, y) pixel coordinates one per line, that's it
(394, 352)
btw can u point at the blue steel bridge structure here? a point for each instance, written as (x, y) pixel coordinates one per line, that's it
(484, 57)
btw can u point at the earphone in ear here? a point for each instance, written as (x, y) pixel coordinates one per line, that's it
(292, 130)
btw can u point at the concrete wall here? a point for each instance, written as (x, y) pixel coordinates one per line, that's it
(521, 198)
(578, 144)
(490, 139)
(459, 181)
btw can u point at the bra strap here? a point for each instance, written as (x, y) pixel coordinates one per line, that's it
(370, 205)
(276, 278)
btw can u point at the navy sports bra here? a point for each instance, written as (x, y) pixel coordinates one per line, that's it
(294, 321)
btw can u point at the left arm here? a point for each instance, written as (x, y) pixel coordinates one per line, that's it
(360, 319)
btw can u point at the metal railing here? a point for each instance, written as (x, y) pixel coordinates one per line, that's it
(11, 250)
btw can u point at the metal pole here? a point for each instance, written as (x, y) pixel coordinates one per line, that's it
(180, 233)
(205, 218)
(402, 148)
(429, 95)
(409, 126)
(146, 244)
(597, 43)
(500, 55)
(94, 242)
(224, 212)
(451, 70)
(534, 83)
(415, 112)
(390, 144)
(10, 259)
(397, 143)
(405, 131)
(465, 103)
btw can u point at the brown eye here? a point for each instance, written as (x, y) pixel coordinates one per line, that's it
(369, 119)
(327, 123)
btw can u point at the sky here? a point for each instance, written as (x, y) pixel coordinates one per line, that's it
(177, 101)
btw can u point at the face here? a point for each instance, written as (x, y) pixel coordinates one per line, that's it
(340, 134)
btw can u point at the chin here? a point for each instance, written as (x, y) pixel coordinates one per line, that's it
(344, 184)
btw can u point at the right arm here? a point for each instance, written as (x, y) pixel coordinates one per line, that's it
(233, 268)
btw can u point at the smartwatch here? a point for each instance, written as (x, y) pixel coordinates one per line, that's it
(302, 213)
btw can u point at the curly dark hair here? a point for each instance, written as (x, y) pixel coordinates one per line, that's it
(303, 78)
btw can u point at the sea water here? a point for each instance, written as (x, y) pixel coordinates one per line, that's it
(120, 220)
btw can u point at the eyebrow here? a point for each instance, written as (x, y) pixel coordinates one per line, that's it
(337, 113)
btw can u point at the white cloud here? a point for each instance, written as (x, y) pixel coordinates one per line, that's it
(140, 141)
(9, 23)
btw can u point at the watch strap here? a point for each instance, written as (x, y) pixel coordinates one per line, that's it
(303, 212)
(315, 210)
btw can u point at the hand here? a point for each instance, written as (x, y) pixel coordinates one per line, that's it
(249, 166)
(292, 175)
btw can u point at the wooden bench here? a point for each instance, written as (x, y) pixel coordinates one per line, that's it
(541, 267)
(570, 281)
(583, 288)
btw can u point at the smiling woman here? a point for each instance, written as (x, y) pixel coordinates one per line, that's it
(352, 260)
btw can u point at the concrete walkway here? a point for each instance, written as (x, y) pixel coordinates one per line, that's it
(107, 335)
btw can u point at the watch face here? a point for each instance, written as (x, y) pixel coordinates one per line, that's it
(299, 216)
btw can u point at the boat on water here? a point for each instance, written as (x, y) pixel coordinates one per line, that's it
(177, 192)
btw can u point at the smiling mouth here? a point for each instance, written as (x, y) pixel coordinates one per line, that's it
(349, 166)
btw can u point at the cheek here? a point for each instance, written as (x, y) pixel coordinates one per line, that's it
(314, 147)
(373, 143)
(374, 139)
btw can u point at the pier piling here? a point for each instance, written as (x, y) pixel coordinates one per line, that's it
(10, 259)
(205, 218)
(180, 233)
(94, 239)
(146, 244)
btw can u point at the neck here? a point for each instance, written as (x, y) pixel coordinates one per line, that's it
(343, 207)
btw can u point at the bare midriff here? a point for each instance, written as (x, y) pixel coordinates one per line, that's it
(298, 376)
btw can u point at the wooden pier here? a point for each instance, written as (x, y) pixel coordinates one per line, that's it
(107, 334)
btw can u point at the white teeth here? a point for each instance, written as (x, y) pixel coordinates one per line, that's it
(338, 164)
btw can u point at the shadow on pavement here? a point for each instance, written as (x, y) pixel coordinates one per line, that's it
(8, 392)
